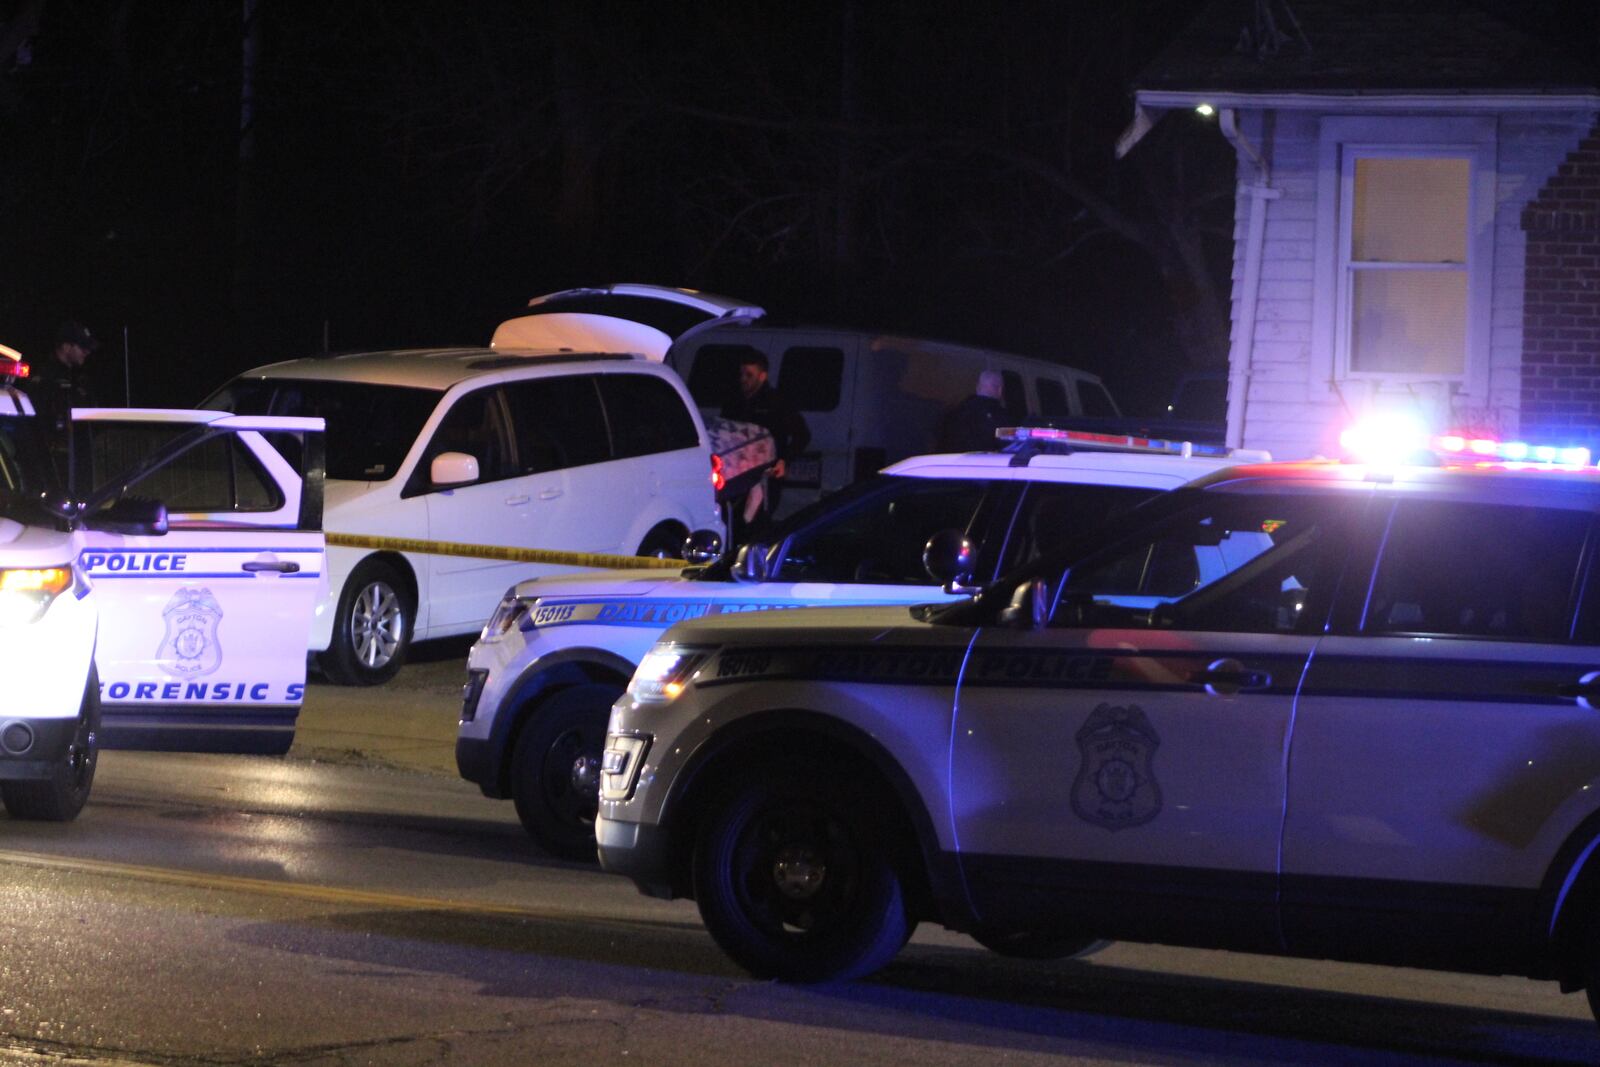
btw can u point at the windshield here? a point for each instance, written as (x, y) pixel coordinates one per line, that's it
(27, 479)
(781, 530)
(370, 428)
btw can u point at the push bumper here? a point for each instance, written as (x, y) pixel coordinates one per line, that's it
(639, 852)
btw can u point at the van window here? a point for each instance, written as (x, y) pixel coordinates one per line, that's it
(1096, 401)
(1015, 399)
(559, 423)
(811, 377)
(475, 425)
(714, 378)
(645, 415)
(370, 427)
(1052, 397)
(1478, 570)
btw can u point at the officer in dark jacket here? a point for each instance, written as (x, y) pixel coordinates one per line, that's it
(59, 382)
(758, 402)
(970, 425)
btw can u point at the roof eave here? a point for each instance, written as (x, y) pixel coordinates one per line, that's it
(1150, 103)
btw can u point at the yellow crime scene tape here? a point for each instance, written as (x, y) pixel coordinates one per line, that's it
(510, 555)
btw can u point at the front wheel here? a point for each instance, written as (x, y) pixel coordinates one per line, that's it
(794, 880)
(372, 627)
(61, 796)
(555, 769)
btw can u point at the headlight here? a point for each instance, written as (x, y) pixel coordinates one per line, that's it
(510, 609)
(664, 671)
(26, 592)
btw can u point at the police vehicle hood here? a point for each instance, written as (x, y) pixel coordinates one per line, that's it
(607, 583)
(866, 624)
(33, 546)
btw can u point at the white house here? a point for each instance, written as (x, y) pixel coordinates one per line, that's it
(1417, 222)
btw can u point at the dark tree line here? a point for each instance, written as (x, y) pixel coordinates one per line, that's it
(365, 174)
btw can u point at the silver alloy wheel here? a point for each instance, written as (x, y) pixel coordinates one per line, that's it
(377, 624)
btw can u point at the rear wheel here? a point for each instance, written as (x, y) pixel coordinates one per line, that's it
(793, 877)
(372, 627)
(60, 797)
(664, 542)
(555, 769)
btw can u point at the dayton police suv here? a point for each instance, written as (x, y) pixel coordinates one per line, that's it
(559, 651)
(1313, 709)
(167, 608)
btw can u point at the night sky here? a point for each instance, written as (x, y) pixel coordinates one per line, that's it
(416, 171)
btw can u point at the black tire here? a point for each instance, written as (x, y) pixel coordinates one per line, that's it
(372, 626)
(664, 542)
(793, 876)
(1029, 945)
(62, 796)
(555, 769)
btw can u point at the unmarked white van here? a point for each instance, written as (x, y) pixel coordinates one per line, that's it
(869, 399)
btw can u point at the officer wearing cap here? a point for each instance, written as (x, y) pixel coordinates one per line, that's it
(59, 383)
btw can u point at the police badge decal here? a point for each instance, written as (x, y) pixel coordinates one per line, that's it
(1116, 786)
(189, 648)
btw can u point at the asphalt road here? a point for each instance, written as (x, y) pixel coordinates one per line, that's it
(356, 903)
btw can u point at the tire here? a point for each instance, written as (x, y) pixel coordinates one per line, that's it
(62, 796)
(664, 542)
(555, 769)
(794, 881)
(1029, 945)
(372, 627)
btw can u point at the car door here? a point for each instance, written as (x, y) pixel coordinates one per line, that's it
(1443, 749)
(203, 628)
(1119, 771)
(508, 504)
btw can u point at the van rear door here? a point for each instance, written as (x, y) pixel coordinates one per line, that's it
(646, 319)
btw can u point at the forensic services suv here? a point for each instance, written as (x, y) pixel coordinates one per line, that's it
(1316, 709)
(163, 606)
(558, 652)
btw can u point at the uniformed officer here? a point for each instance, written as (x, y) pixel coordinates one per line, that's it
(60, 382)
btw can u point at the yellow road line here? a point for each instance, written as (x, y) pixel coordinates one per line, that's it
(512, 555)
(293, 890)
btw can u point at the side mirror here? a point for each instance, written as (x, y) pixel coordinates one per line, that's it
(753, 563)
(453, 468)
(950, 559)
(702, 547)
(133, 515)
(1029, 608)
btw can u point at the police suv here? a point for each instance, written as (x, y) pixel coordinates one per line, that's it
(166, 605)
(558, 651)
(1317, 709)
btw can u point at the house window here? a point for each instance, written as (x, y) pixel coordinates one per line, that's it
(1404, 253)
(1406, 264)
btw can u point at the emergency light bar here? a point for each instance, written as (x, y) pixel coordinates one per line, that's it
(1400, 439)
(11, 365)
(1107, 441)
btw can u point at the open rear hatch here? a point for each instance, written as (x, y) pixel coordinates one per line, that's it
(646, 319)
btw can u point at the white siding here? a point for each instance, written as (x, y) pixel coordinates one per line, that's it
(1286, 411)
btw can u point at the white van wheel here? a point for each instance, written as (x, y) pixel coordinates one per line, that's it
(372, 628)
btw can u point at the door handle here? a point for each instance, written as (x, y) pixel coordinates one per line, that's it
(281, 566)
(549, 494)
(1225, 677)
(520, 498)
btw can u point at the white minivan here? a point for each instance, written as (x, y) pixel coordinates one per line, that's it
(869, 398)
(546, 449)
